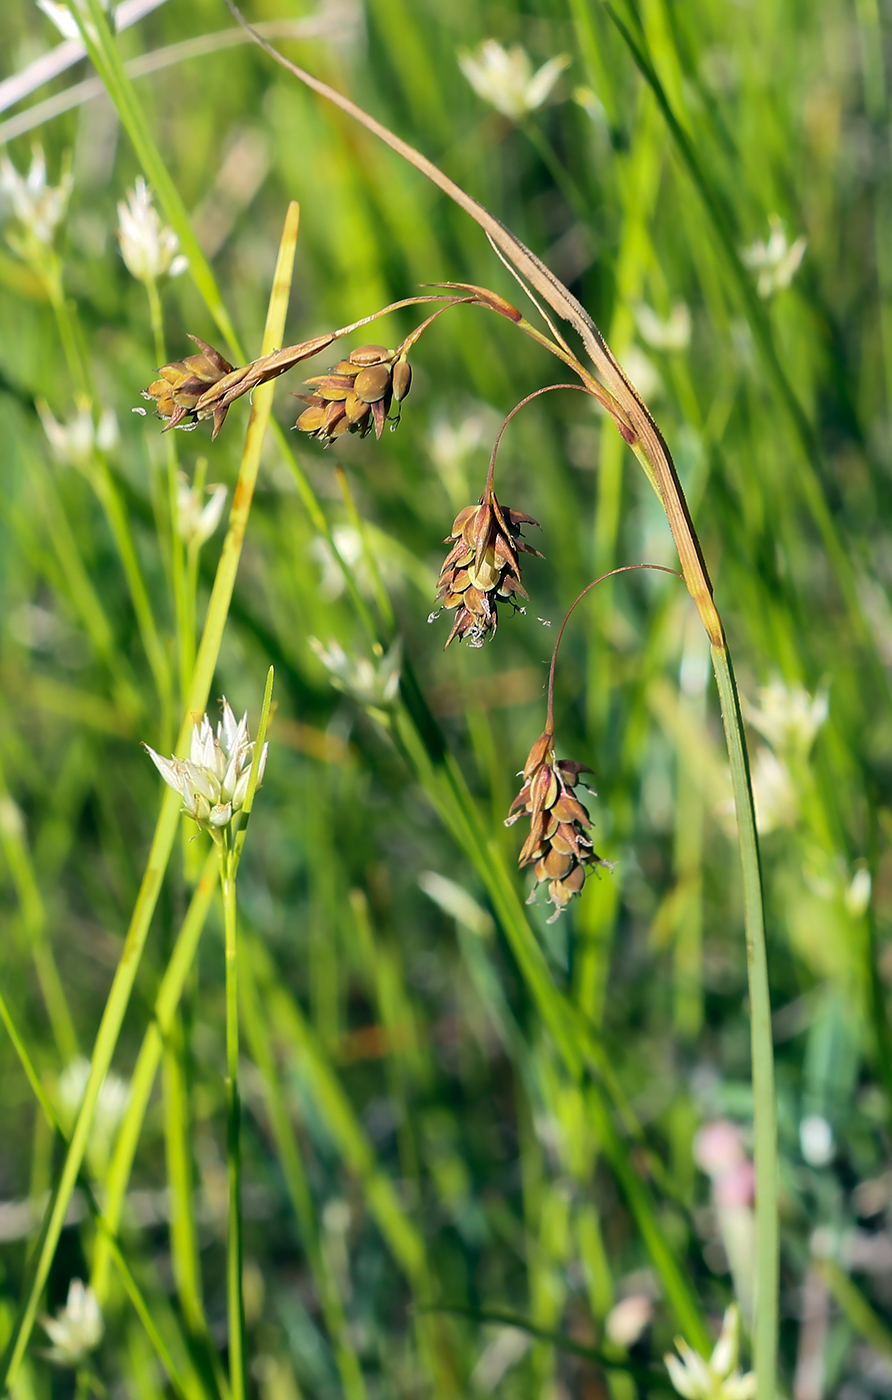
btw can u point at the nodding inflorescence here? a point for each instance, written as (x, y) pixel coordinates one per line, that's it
(482, 568)
(558, 844)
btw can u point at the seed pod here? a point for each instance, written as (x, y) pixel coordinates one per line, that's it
(402, 380)
(372, 383)
(365, 355)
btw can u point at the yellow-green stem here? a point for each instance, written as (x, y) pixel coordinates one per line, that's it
(234, 1245)
(762, 1049)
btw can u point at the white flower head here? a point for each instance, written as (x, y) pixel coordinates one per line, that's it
(34, 208)
(213, 780)
(505, 79)
(196, 522)
(775, 260)
(695, 1378)
(73, 442)
(150, 250)
(788, 717)
(111, 1105)
(673, 333)
(77, 1329)
(774, 793)
(373, 683)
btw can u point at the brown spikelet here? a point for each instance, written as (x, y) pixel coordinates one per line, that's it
(482, 568)
(177, 393)
(203, 386)
(365, 385)
(559, 844)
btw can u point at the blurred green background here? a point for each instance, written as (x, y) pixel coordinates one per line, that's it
(411, 1133)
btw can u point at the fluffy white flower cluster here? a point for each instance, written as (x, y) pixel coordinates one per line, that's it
(695, 1378)
(196, 522)
(77, 1329)
(775, 260)
(36, 207)
(150, 249)
(374, 684)
(789, 718)
(114, 1096)
(505, 79)
(74, 441)
(213, 780)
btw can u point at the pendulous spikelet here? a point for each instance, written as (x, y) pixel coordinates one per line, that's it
(482, 568)
(558, 843)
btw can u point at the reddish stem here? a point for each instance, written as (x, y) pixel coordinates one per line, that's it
(624, 569)
(492, 461)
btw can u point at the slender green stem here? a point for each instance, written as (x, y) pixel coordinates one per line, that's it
(109, 498)
(82, 595)
(762, 1049)
(289, 1155)
(183, 1234)
(234, 1241)
(130, 1284)
(13, 843)
(107, 492)
(77, 369)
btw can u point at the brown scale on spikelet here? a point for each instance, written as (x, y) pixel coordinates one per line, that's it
(558, 844)
(177, 393)
(483, 568)
(356, 394)
(204, 386)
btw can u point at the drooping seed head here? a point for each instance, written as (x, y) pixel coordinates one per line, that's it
(482, 569)
(177, 393)
(558, 845)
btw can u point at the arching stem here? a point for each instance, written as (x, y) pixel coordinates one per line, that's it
(624, 569)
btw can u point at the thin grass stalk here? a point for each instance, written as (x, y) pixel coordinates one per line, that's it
(83, 598)
(761, 1041)
(131, 1286)
(183, 1234)
(165, 831)
(397, 1023)
(722, 222)
(234, 1239)
(141, 1082)
(106, 490)
(289, 1156)
(24, 878)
